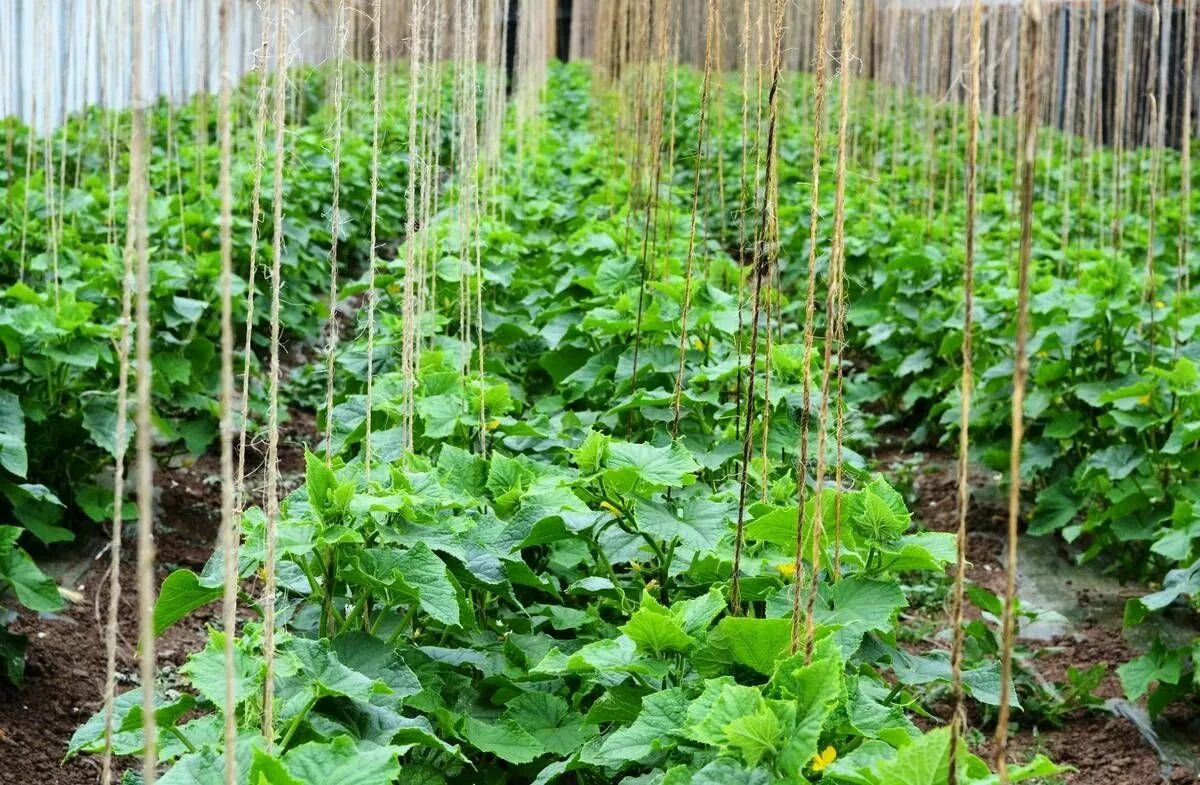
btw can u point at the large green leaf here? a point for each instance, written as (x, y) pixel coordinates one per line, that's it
(325, 674)
(758, 644)
(550, 720)
(181, 593)
(858, 605)
(426, 575)
(12, 435)
(33, 588)
(343, 763)
(505, 739)
(654, 466)
(655, 629)
(205, 670)
(657, 726)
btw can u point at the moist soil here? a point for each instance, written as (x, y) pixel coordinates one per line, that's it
(64, 673)
(1104, 748)
(64, 678)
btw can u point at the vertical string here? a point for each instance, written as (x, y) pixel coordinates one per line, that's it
(810, 309)
(272, 506)
(677, 396)
(838, 303)
(408, 332)
(833, 307)
(137, 230)
(372, 294)
(744, 198)
(120, 441)
(1182, 268)
(957, 721)
(260, 126)
(335, 217)
(764, 259)
(1030, 28)
(229, 535)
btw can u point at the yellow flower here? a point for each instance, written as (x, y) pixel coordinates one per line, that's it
(787, 569)
(697, 343)
(1159, 304)
(493, 425)
(635, 566)
(824, 758)
(1144, 399)
(610, 508)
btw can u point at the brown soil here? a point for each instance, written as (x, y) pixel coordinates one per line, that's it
(1105, 749)
(64, 679)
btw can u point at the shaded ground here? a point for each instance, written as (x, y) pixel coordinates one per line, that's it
(64, 680)
(1106, 748)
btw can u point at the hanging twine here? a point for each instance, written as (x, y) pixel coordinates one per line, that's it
(810, 309)
(372, 294)
(762, 270)
(229, 534)
(137, 229)
(272, 505)
(833, 310)
(260, 125)
(677, 396)
(1030, 24)
(120, 438)
(744, 198)
(335, 217)
(408, 331)
(1182, 268)
(958, 720)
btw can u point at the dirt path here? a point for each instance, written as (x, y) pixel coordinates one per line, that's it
(1105, 749)
(64, 680)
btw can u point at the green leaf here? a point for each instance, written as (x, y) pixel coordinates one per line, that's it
(1055, 509)
(12, 435)
(505, 739)
(100, 419)
(12, 656)
(426, 575)
(722, 702)
(1178, 583)
(318, 480)
(671, 466)
(1159, 664)
(550, 720)
(926, 761)
(343, 763)
(205, 670)
(1118, 461)
(34, 589)
(858, 605)
(181, 593)
(589, 456)
(656, 630)
(368, 655)
(758, 644)
(697, 613)
(324, 673)
(660, 721)
(697, 524)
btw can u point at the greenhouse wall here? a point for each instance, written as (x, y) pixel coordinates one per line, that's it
(59, 56)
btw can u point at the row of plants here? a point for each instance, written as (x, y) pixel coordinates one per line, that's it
(61, 270)
(557, 608)
(1109, 458)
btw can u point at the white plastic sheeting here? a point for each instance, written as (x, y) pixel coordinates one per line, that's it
(59, 56)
